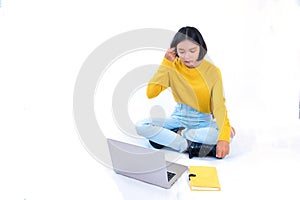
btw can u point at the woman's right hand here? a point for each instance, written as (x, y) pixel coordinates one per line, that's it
(170, 54)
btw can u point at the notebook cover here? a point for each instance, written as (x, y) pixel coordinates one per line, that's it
(204, 178)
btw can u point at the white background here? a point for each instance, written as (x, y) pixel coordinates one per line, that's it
(44, 43)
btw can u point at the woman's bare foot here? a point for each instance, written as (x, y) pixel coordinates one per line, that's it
(232, 132)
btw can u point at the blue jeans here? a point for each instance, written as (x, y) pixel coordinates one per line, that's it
(198, 127)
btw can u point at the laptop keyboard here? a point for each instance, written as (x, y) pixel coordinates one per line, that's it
(170, 175)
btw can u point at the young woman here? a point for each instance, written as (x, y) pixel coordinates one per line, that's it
(199, 124)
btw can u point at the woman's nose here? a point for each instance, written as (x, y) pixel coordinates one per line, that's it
(186, 55)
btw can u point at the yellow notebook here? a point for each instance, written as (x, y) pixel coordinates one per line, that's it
(204, 178)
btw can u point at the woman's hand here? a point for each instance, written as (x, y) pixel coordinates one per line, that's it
(222, 149)
(170, 54)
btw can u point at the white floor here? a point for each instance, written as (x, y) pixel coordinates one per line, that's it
(264, 163)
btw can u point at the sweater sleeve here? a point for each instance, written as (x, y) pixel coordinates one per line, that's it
(219, 109)
(160, 81)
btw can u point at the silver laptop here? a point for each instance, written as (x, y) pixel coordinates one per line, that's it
(144, 164)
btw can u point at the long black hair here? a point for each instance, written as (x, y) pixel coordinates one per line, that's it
(192, 34)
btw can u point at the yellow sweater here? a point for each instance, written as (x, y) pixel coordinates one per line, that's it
(200, 87)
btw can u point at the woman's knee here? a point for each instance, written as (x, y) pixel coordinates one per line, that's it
(141, 127)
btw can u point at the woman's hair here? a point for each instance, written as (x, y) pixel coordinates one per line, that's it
(192, 34)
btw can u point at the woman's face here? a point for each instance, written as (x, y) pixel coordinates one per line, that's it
(188, 52)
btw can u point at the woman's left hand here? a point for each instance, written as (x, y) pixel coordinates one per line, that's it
(222, 149)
